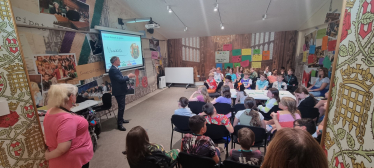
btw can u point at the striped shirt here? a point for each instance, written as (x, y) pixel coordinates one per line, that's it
(286, 120)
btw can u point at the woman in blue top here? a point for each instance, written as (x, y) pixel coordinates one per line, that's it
(321, 86)
(262, 84)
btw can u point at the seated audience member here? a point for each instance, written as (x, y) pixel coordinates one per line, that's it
(304, 101)
(273, 77)
(267, 72)
(138, 148)
(279, 84)
(246, 81)
(239, 72)
(183, 110)
(273, 95)
(262, 84)
(286, 117)
(246, 139)
(228, 82)
(321, 86)
(218, 77)
(253, 73)
(214, 118)
(198, 144)
(250, 116)
(320, 105)
(232, 74)
(291, 80)
(294, 148)
(225, 96)
(305, 124)
(202, 96)
(211, 84)
(283, 71)
(240, 94)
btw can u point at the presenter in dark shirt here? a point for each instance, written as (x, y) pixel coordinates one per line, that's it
(119, 87)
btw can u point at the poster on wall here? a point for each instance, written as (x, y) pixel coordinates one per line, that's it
(222, 56)
(72, 14)
(310, 39)
(56, 67)
(96, 43)
(130, 86)
(332, 28)
(154, 44)
(332, 17)
(36, 89)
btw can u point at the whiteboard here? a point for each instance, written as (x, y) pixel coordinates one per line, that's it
(182, 75)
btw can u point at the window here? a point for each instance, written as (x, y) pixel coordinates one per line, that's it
(263, 41)
(191, 49)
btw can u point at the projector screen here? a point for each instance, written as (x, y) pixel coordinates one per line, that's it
(125, 46)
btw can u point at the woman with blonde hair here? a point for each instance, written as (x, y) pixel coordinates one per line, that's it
(35, 92)
(289, 114)
(293, 148)
(66, 134)
(202, 96)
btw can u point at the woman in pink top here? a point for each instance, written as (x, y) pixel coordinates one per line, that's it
(66, 134)
(289, 114)
(202, 95)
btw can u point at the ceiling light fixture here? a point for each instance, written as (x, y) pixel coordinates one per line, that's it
(216, 8)
(185, 29)
(264, 16)
(222, 27)
(169, 9)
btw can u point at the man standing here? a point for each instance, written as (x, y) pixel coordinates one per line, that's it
(119, 87)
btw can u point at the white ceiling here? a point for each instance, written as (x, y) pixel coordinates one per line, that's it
(238, 16)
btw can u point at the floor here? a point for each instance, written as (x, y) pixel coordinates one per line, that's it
(153, 113)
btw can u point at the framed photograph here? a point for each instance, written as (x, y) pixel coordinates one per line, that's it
(131, 86)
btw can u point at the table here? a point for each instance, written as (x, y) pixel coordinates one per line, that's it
(81, 106)
(261, 94)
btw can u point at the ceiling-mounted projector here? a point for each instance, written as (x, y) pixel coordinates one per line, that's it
(152, 25)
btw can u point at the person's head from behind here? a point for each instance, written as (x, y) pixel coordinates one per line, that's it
(209, 109)
(115, 61)
(280, 78)
(204, 92)
(197, 124)
(323, 72)
(305, 124)
(294, 148)
(62, 95)
(246, 138)
(46, 77)
(228, 78)
(250, 103)
(289, 104)
(263, 76)
(239, 86)
(301, 93)
(291, 71)
(275, 72)
(225, 91)
(183, 102)
(137, 142)
(273, 93)
(211, 76)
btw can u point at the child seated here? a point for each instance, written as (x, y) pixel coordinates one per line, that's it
(183, 109)
(279, 84)
(286, 117)
(246, 81)
(211, 84)
(250, 116)
(198, 144)
(245, 155)
(262, 84)
(240, 94)
(273, 100)
(228, 82)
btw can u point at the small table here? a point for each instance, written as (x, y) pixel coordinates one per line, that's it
(261, 94)
(84, 105)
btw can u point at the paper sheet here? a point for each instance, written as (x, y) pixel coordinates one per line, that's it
(222, 56)
(227, 47)
(256, 64)
(247, 51)
(312, 49)
(228, 65)
(236, 59)
(256, 51)
(257, 57)
(246, 57)
(325, 41)
(236, 52)
(244, 63)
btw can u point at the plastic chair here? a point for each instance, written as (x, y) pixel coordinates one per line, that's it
(196, 106)
(223, 108)
(216, 133)
(107, 105)
(193, 161)
(181, 126)
(232, 164)
(267, 116)
(239, 107)
(260, 136)
(147, 164)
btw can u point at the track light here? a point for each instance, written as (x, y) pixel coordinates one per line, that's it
(185, 29)
(264, 17)
(169, 9)
(216, 8)
(222, 27)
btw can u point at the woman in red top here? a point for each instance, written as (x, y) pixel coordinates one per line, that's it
(211, 84)
(66, 134)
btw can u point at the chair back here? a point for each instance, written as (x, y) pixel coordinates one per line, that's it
(253, 85)
(239, 107)
(196, 106)
(312, 113)
(181, 122)
(232, 164)
(107, 100)
(195, 161)
(267, 116)
(216, 132)
(223, 108)
(260, 133)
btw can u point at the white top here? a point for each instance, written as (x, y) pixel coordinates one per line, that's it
(239, 113)
(218, 77)
(261, 94)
